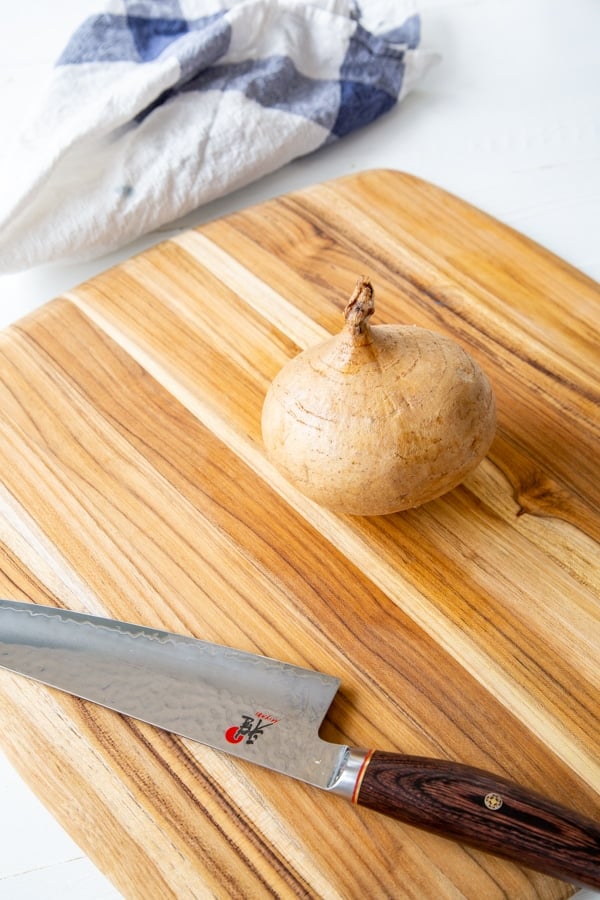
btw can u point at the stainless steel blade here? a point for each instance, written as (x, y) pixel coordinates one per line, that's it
(253, 707)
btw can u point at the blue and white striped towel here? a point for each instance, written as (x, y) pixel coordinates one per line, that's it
(159, 106)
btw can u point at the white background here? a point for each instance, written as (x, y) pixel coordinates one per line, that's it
(509, 121)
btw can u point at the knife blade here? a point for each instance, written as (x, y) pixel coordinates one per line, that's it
(269, 712)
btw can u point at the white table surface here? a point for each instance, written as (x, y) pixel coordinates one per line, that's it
(510, 121)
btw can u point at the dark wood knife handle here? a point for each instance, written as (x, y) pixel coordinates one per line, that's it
(488, 812)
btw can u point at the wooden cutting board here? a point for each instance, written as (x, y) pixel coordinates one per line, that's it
(134, 485)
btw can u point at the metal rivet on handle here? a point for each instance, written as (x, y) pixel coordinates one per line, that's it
(493, 801)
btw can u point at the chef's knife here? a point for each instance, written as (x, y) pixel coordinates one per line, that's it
(269, 713)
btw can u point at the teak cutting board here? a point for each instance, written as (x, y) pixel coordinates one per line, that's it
(134, 485)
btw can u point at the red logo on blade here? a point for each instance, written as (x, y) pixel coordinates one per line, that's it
(251, 728)
(233, 735)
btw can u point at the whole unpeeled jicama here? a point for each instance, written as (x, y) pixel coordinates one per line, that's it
(379, 418)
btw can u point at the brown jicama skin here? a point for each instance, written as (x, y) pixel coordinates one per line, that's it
(378, 418)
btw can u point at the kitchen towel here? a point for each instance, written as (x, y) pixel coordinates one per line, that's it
(158, 106)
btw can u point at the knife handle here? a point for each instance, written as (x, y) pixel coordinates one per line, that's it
(486, 811)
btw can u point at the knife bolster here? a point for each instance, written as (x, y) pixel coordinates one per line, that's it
(347, 779)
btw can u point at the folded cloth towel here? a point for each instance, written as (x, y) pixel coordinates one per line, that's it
(159, 106)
